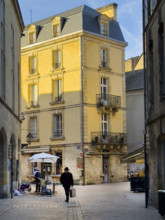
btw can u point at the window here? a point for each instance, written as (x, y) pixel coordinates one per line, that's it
(12, 68)
(161, 60)
(32, 64)
(59, 163)
(56, 30)
(56, 59)
(103, 58)
(32, 38)
(104, 124)
(57, 125)
(57, 90)
(151, 73)
(33, 127)
(2, 50)
(103, 88)
(33, 96)
(104, 29)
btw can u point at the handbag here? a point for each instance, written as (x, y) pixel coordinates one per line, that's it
(72, 192)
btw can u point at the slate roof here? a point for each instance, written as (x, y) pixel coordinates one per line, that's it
(135, 80)
(77, 19)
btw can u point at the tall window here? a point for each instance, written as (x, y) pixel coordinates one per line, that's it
(104, 124)
(104, 29)
(103, 58)
(33, 96)
(151, 73)
(161, 60)
(57, 125)
(56, 30)
(12, 68)
(2, 49)
(56, 59)
(57, 90)
(19, 88)
(32, 64)
(32, 38)
(33, 127)
(104, 88)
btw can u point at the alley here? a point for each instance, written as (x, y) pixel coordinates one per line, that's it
(93, 202)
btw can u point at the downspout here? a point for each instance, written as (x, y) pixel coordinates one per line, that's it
(82, 112)
(145, 108)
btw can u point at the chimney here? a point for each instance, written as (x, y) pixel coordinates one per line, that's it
(109, 10)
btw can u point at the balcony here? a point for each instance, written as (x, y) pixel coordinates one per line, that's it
(109, 138)
(33, 104)
(108, 101)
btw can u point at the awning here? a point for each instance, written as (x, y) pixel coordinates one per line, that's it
(41, 149)
(136, 156)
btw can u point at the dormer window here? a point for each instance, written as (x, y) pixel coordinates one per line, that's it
(32, 38)
(32, 34)
(56, 30)
(104, 29)
(56, 26)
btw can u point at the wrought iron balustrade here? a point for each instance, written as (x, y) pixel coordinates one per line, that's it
(109, 138)
(108, 100)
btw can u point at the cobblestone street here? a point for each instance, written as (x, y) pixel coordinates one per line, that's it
(94, 202)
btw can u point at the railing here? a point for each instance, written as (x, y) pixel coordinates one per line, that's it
(34, 103)
(33, 70)
(109, 138)
(57, 134)
(57, 65)
(103, 64)
(107, 100)
(58, 99)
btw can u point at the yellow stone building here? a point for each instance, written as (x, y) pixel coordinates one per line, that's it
(73, 94)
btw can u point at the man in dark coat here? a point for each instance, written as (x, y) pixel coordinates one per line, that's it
(37, 176)
(66, 180)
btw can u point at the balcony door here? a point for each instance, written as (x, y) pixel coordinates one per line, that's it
(104, 88)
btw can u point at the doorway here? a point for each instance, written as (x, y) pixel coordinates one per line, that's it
(106, 168)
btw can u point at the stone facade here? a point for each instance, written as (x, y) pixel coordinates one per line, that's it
(155, 104)
(10, 123)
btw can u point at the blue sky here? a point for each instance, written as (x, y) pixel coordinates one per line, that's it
(129, 15)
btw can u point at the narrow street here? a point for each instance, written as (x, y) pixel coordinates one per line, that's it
(93, 202)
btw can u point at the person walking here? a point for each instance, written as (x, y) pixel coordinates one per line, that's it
(66, 180)
(37, 176)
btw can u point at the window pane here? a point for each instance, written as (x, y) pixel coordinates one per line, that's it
(33, 126)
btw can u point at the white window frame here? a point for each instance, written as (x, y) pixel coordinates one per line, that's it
(57, 125)
(33, 127)
(104, 88)
(56, 59)
(104, 57)
(104, 122)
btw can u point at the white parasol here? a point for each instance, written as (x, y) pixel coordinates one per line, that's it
(43, 158)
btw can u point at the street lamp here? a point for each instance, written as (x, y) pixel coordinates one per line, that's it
(28, 138)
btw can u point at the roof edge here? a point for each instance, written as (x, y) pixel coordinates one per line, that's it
(20, 18)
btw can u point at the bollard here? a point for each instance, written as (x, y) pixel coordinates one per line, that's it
(54, 187)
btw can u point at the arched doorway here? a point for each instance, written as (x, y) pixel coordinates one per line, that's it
(3, 165)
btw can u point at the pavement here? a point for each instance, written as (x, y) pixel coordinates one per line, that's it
(112, 201)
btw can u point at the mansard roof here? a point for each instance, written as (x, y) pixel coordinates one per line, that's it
(82, 18)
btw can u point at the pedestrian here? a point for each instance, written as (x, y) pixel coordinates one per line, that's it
(37, 176)
(66, 180)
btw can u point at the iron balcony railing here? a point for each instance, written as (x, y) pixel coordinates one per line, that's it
(58, 98)
(108, 100)
(109, 138)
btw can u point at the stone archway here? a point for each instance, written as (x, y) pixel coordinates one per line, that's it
(3, 164)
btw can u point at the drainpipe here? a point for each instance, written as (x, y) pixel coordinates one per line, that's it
(145, 108)
(82, 112)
